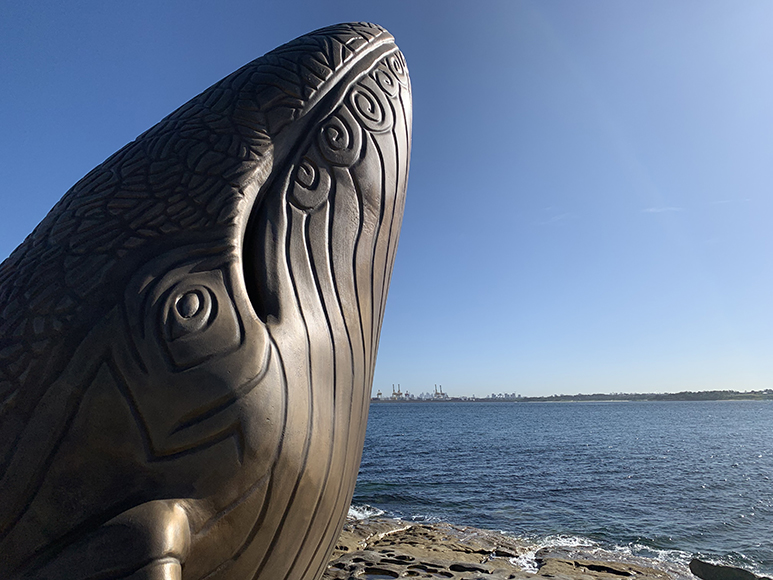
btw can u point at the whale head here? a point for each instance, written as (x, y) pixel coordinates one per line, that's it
(197, 319)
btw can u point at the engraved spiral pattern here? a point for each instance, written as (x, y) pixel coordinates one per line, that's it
(371, 107)
(311, 186)
(397, 66)
(386, 81)
(340, 139)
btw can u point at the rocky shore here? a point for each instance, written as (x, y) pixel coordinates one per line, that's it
(382, 549)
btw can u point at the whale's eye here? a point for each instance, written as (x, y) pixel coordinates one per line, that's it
(190, 310)
(189, 304)
(186, 315)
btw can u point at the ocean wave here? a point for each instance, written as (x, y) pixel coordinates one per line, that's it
(642, 551)
(363, 512)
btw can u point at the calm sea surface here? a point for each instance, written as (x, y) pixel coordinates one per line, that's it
(665, 480)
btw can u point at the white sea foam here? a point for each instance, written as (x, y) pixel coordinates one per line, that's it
(527, 560)
(674, 562)
(363, 512)
(642, 551)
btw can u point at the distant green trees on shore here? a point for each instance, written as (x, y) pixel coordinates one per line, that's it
(763, 395)
(766, 394)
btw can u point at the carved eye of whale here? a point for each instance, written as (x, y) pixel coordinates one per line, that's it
(188, 339)
(189, 311)
(194, 314)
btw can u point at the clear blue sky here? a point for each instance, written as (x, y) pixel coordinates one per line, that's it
(591, 189)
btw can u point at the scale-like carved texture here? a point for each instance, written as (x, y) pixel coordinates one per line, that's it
(196, 322)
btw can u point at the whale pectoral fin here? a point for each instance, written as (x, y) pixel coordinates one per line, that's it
(147, 542)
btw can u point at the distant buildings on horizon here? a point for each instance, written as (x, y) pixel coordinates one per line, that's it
(398, 395)
(438, 395)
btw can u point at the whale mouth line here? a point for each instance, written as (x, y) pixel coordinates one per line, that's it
(287, 146)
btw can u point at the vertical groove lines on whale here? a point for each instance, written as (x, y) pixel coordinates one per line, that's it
(291, 292)
(372, 246)
(384, 238)
(340, 439)
(347, 352)
(313, 309)
(323, 279)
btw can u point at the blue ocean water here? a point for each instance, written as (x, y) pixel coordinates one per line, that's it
(668, 480)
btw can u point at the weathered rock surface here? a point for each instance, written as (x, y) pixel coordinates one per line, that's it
(594, 569)
(380, 549)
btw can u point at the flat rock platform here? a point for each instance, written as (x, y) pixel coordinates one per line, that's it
(382, 549)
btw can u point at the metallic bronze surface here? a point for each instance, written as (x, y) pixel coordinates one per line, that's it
(188, 338)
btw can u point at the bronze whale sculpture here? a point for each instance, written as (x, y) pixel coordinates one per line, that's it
(187, 340)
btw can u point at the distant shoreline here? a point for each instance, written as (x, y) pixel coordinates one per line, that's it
(766, 395)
